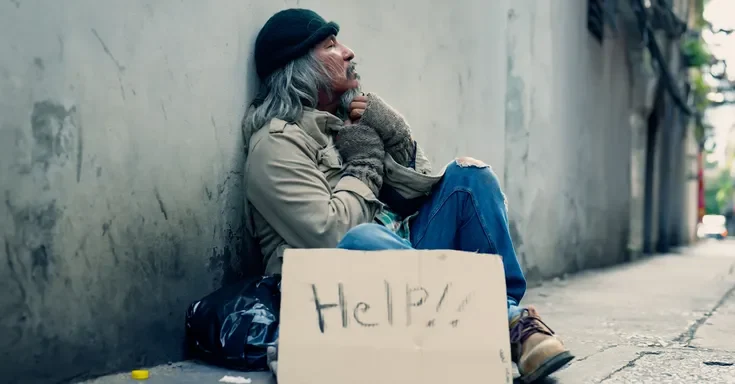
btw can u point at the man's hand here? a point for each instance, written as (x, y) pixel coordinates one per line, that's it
(357, 108)
(392, 128)
(362, 153)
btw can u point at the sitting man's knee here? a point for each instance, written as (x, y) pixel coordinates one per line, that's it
(468, 162)
(467, 169)
(359, 236)
(366, 230)
(474, 175)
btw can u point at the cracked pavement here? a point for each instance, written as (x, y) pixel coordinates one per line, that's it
(664, 319)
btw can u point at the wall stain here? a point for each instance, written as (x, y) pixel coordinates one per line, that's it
(52, 128)
(16, 2)
(226, 262)
(119, 66)
(19, 307)
(515, 235)
(218, 261)
(106, 227)
(516, 133)
(80, 142)
(61, 47)
(82, 243)
(38, 62)
(534, 275)
(122, 89)
(221, 187)
(33, 242)
(33, 221)
(29, 248)
(161, 206)
(113, 247)
(14, 274)
(40, 263)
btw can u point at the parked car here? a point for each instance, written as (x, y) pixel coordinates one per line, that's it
(712, 227)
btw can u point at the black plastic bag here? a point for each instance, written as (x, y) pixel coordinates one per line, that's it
(234, 325)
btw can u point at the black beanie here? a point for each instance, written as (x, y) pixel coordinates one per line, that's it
(288, 35)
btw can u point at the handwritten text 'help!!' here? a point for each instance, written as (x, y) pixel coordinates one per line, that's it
(422, 307)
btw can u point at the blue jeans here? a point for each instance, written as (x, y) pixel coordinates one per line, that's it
(466, 211)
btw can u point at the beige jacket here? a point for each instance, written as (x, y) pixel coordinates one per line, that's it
(296, 195)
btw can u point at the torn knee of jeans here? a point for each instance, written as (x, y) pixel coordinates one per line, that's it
(465, 162)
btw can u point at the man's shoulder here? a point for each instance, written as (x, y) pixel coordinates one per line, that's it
(276, 134)
(276, 125)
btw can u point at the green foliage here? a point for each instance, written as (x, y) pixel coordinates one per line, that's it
(696, 53)
(701, 90)
(699, 20)
(718, 193)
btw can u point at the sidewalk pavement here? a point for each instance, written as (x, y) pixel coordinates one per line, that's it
(665, 319)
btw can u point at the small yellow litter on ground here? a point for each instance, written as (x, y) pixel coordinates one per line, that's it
(139, 374)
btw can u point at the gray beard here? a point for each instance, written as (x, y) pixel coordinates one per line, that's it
(343, 111)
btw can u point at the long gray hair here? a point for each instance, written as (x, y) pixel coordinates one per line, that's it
(285, 93)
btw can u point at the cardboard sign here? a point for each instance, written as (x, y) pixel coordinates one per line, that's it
(393, 317)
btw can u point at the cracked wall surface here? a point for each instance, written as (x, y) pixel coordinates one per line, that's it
(121, 155)
(567, 142)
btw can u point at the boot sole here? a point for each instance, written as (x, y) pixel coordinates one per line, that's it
(548, 367)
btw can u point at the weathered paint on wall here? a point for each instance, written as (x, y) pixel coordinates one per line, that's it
(567, 144)
(121, 154)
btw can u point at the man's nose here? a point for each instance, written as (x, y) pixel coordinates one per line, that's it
(347, 53)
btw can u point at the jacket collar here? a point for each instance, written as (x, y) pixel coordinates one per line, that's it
(320, 125)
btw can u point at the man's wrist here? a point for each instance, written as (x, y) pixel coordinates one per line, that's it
(383, 118)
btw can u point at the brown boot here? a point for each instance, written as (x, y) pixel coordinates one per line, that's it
(534, 347)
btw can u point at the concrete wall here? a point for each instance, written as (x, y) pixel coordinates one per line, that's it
(691, 189)
(644, 82)
(121, 154)
(568, 139)
(669, 220)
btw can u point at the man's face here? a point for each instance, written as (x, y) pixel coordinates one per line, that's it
(337, 59)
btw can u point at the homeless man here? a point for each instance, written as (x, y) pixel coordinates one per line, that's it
(328, 166)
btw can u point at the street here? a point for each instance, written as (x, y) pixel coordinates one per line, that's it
(666, 319)
(663, 319)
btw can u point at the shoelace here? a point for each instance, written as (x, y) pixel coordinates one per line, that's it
(526, 326)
